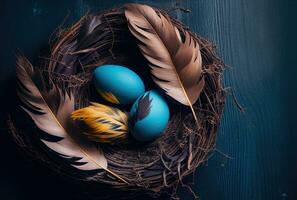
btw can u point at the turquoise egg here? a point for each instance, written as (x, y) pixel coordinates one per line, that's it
(118, 84)
(149, 116)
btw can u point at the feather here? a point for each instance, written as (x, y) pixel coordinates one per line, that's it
(105, 124)
(172, 54)
(141, 110)
(51, 111)
(66, 61)
(91, 23)
(108, 96)
(90, 34)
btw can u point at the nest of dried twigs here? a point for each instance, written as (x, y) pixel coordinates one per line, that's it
(182, 148)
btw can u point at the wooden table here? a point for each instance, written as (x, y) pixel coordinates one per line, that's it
(254, 37)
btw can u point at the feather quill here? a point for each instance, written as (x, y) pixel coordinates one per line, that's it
(172, 54)
(51, 113)
(104, 123)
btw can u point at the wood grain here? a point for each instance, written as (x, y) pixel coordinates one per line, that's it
(253, 37)
(250, 38)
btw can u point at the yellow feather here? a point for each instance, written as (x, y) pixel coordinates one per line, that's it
(105, 124)
(109, 97)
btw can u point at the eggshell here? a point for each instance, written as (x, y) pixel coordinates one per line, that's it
(149, 116)
(118, 84)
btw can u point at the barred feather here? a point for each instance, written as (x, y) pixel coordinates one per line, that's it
(104, 124)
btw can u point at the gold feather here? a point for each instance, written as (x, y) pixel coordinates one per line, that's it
(172, 54)
(105, 124)
(108, 96)
(50, 111)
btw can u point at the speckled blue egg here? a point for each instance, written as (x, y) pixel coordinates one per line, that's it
(149, 116)
(118, 84)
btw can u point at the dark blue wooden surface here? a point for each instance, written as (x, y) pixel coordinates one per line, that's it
(255, 38)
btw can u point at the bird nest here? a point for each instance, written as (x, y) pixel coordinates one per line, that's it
(154, 167)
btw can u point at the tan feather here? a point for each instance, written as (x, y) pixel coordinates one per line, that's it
(175, 63)
(51, 113)
(104, 123)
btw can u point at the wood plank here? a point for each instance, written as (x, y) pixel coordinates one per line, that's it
(250, 38)
(253, 38)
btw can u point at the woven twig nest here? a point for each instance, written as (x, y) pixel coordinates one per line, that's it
(164, 162)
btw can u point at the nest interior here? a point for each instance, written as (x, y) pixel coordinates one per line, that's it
(182, 147)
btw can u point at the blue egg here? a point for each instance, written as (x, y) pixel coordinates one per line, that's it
(149, 116)
(118, 84)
